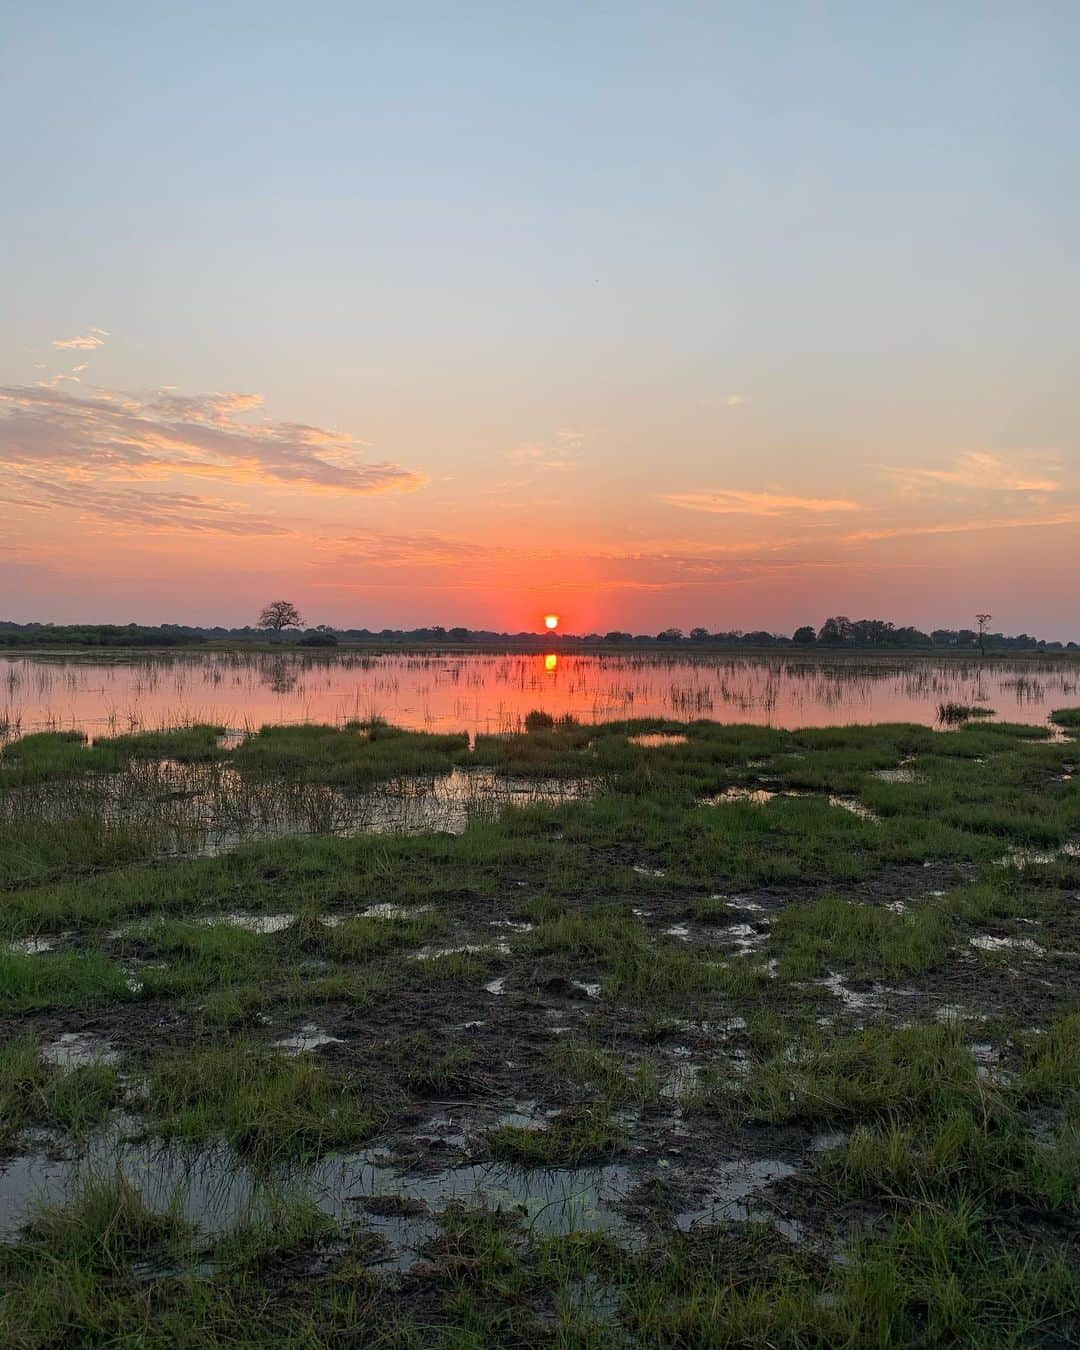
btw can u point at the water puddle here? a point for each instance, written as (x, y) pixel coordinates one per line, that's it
(306, 1038)
(1026, 857)
(210, 808)
(762, 796)
(728, 1197)
(263, 924)
(215, 1190)
(899, 775)
(74, 1049)
(388, 911)
(986, 943)
(654, 739)
(34, 946)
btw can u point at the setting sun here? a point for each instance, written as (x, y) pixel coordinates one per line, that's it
(551, 621)
(551, 663)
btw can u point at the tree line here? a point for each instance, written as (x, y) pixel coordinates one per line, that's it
(281, 621)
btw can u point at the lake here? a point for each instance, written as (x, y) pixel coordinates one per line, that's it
(490, 692)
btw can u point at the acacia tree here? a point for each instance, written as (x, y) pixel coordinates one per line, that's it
(280, 614)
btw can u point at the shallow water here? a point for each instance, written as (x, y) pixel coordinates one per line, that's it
(216, 1190)
(210, 808)
(490, 692)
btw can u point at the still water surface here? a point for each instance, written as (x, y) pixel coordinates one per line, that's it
(490, 692)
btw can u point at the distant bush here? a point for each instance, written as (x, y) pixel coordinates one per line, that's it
(318, 640)
(538, 721)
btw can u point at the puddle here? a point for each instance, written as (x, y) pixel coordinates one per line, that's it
(856, 807)
(74, 1049)
(308, 1037)
(740, 902)
(499, 948)
(1025, 857)
(901, 775)
(986, 943)
(387, 911)
(654, 739)
(33, 946)
(496, 986)
(650, 871)
(755, 796)
(762, 796)
(252, 923)
(678, 930)
(215, 1190)
(588, 988)
(737, 1183)
(857, 1002)
(211, 808)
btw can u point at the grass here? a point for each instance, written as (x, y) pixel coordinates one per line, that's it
(262, 1104)
(941, 1212)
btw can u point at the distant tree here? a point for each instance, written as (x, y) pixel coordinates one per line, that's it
(670, 635)
(804, 635)
(982, 620)
(835, 631)
(280, 614)
(616, 636)
(699, 635)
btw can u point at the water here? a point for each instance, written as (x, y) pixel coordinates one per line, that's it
(210, 808)
(492, 692)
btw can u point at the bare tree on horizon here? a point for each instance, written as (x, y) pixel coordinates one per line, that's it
(281, 614)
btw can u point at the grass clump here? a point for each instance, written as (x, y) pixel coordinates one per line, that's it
(355, 755)
(261, 1103)
(868, 940)
(59, 980)
(573, 1137)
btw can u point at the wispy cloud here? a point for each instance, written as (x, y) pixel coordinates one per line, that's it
(93, 337)
(137, 510)
(736, 502)
(561, 452)
(109, 435)
(979, 471)
(1069, 517)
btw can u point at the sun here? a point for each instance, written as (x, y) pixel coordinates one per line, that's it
(551, 621)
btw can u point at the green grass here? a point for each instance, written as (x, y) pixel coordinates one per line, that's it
(949, 1196)
(263, 1104)
(59, 980)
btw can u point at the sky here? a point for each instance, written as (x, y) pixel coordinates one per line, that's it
(737, 315)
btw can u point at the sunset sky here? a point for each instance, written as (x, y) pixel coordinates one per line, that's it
(730, 314)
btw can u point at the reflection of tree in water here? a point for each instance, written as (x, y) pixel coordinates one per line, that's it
(281, 677)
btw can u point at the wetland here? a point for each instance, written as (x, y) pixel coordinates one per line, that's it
(346, 1012)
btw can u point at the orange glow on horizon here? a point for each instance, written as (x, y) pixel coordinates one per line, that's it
(551, 621)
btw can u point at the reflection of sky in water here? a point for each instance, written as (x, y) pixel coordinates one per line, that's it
(209, 808)
(493, 692)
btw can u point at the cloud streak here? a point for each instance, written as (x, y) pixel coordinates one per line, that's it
(733, 501)
(979, 471)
